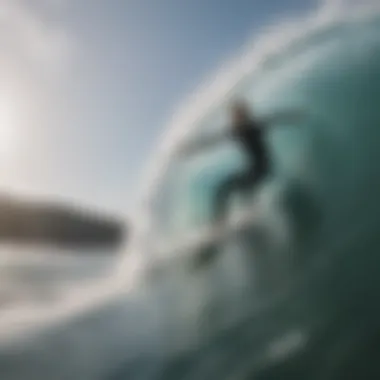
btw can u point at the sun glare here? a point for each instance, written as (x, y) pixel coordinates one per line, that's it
(7, 129)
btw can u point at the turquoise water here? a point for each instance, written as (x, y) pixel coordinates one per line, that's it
(294, 297)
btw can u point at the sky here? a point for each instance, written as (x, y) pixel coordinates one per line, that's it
(88, 86)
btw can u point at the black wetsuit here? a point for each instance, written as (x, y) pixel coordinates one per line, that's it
(250, 136)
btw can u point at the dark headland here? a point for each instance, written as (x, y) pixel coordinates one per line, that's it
(27, 221)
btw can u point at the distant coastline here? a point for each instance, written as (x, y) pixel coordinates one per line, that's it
(25, 221)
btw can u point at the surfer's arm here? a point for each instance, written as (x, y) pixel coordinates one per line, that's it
(285, 117)
(203, 143)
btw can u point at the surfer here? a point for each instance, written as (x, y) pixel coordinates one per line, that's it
(249, 133)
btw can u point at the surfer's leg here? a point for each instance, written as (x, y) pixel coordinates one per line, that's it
(254, 176)
(221, 199)
(244, 183)
(262, 171)
(224, 191)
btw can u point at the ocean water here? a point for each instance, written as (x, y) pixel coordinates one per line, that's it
(295, 296)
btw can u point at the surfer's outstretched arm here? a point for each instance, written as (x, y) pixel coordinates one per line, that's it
(287, 116)
(203, 143)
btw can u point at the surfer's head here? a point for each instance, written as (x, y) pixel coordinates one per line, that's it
(240, 111)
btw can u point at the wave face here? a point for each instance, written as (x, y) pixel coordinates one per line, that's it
(296, 294)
